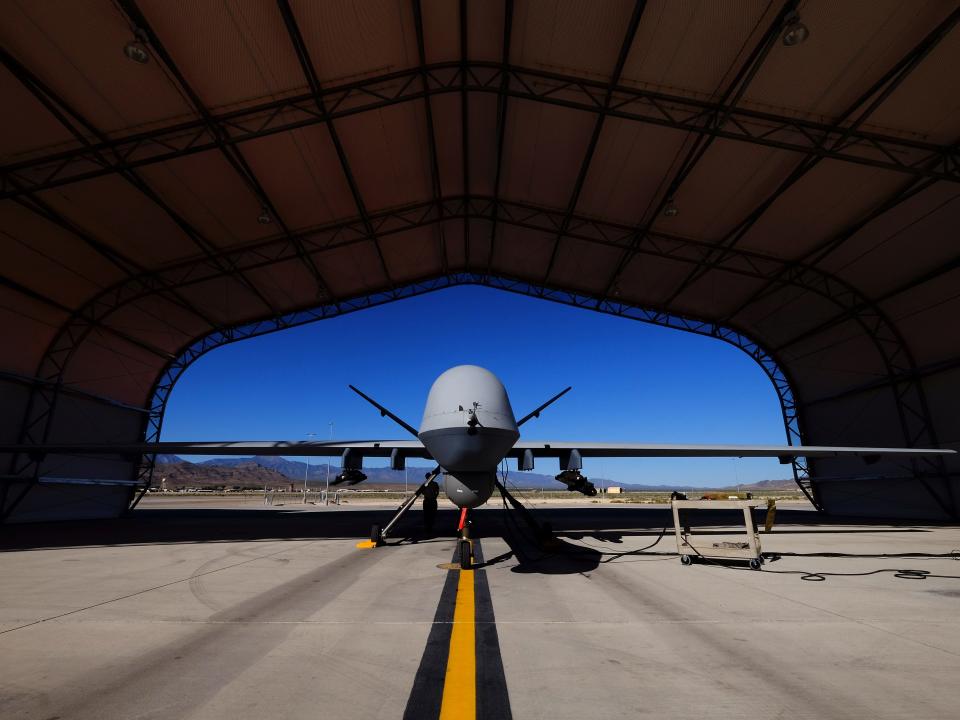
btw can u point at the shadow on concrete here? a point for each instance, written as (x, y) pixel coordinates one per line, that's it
(603, 525)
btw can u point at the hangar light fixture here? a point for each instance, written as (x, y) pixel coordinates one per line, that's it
(264, 217)
(670, 209)
(794, 31)
(135, 51)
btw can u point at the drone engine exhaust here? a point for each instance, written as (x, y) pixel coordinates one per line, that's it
(576, 482)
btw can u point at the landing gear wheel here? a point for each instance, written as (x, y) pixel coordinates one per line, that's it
(375, 536)
(466, 562)
(756, 564)
(686, 560)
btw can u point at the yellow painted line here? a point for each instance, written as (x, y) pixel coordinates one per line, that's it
(366, 544)
(460, 684)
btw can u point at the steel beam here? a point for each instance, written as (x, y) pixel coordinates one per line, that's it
(464, 125)
(703, 141)
(317, 98)
(502, 98)
(39, 207)
(909, 397)
(431, 135)
(238, 161)
(849, 122)
(70, 118)
(231, 153)
(825, 249)
(632, 25)
(44, 398)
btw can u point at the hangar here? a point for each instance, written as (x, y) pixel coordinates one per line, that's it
(782, 176)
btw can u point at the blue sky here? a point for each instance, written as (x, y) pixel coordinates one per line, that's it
(631, 382)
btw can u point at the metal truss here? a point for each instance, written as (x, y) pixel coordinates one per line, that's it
(322, 239)
(902, 376)
(175, 369)
(323, 105)
(96, 313)
(702, 141)
(80, 128)
(850, 120)
(317, 96)
(819, 253)
(905, 383)
(49, 385)
(231, 153)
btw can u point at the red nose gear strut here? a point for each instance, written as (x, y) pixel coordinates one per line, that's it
(464, 546)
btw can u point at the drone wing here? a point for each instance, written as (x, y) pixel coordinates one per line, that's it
(363, 448)
(785, 453)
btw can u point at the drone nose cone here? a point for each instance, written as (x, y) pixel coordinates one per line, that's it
(468, 394)
(468, 423)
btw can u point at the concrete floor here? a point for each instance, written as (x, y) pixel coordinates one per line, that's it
(203, 613)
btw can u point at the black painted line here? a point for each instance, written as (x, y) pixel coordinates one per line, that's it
(493, 699)
(427, 693)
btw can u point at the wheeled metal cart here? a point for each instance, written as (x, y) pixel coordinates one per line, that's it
(748, 550)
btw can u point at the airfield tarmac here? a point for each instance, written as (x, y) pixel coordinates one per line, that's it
(199, 612)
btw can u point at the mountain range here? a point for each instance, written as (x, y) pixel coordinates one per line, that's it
(275, 471)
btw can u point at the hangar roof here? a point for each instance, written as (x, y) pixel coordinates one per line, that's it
(680, 155)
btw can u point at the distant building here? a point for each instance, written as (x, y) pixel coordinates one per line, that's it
(614, 490)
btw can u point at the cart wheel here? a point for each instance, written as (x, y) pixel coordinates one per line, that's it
(375, 536)
(756, 563)
(464, 554)
(686, 560)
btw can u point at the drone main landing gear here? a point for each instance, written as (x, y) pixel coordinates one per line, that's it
(378, 536)
(542, 532)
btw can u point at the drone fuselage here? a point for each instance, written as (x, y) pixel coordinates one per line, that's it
(468, 427)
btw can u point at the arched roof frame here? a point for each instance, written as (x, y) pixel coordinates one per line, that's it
(95, 314)
(153, 421)
(779, 281)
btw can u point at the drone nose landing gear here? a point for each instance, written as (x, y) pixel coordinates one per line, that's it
(464, 544)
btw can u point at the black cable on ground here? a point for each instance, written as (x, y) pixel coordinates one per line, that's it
(611, 556)
(903, 574)
(955, 554)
